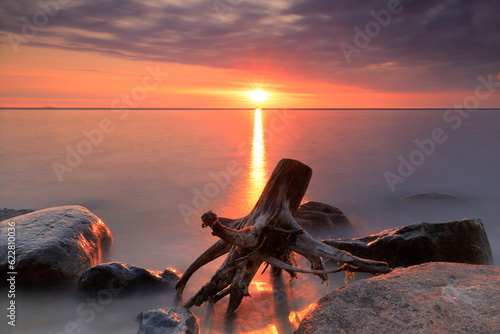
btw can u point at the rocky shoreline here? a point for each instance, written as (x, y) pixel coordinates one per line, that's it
(66, 246)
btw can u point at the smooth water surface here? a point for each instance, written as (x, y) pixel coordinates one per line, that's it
(152, 173)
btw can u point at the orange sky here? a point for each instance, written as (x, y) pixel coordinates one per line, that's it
(305, 54)
(43, 77)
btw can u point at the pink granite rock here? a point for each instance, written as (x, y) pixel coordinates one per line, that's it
(436, 297)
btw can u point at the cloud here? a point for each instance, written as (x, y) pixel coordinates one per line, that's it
(425, 46)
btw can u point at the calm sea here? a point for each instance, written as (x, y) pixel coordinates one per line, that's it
(149, 174)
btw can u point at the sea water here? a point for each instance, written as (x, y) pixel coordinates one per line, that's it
(150, 174)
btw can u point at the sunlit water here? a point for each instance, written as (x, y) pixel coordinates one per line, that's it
(153, 173)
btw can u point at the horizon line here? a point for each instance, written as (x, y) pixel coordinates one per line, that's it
(197, 108)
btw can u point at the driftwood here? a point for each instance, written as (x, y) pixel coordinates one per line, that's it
(269, 234)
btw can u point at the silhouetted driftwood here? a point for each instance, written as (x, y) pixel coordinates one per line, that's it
(269, 233)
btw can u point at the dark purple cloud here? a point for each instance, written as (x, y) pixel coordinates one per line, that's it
(425, 46)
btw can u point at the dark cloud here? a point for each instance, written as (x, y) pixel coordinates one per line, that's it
(426, 46)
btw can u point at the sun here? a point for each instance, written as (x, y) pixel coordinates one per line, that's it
(257, 95)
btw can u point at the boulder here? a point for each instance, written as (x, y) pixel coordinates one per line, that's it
(462, 241)
(430, 197)
(168, 321)
(321, 220)
(121, 279)
(9, 213)
(54, 246)
(430, 298)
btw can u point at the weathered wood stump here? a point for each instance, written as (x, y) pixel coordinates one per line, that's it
(269, 234)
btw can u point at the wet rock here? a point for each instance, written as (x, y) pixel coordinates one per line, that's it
(321, 220)
(430, 197)
(429, 298)
(55, 245)
(10, 213)
(462, 241)
(168, 321)
(121, 279)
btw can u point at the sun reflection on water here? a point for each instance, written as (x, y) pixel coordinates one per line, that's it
(258, 166)
(260, 286)
(273, 315)
(296, 317)
(270, 329)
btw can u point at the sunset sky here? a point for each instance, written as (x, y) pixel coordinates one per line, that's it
(210, 53)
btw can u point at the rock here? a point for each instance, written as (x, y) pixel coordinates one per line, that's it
(10, 213)
(429, 197)
(321, 220)
(168, 321)
(462, 241)
(122, 280)
(54, 246)
(430, 298)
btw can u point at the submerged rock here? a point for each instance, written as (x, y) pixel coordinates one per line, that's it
(55, 245)
(429, 298)
(321, 220)
(121, 279)
(430, 197)
(168, 321)
(462, 241)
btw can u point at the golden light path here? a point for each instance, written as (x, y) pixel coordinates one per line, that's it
(296, 317)
(270, 329)
(256, 182)
(258, 171)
